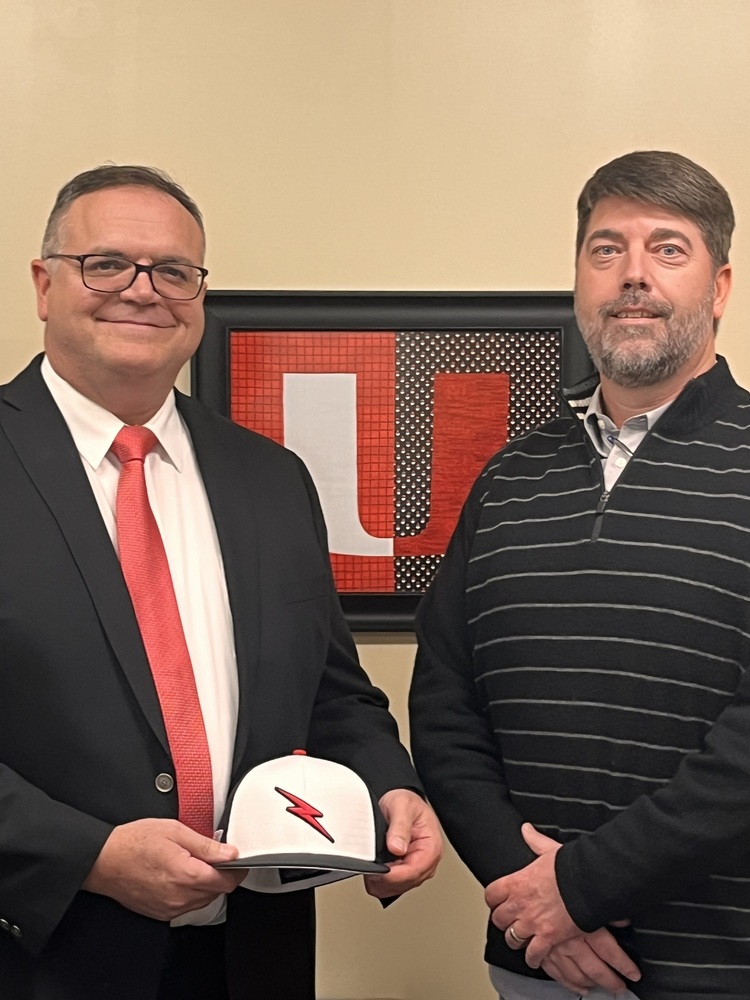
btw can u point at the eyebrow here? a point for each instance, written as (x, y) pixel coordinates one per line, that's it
(167, 259)
(672, 234)
(657, 234)
(605, 234)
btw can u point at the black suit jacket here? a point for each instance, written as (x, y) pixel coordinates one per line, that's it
(81, 734)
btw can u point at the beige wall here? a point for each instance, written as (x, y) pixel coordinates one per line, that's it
(375, 144)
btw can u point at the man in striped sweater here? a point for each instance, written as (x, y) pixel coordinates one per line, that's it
(582, 674)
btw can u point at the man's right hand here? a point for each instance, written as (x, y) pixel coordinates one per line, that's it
(161, 868)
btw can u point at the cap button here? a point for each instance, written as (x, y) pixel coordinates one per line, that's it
(299, 753)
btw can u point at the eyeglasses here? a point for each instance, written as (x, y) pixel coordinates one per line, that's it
(104, 273)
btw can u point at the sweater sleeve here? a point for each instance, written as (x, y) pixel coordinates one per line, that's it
(453, 746)
(696, 824)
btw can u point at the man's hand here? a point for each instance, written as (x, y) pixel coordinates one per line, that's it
(579, 963)
(413, 837)
(161, 868)
(529, 901)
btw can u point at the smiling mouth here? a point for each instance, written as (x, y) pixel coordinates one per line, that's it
(135, 321)
(636, 314)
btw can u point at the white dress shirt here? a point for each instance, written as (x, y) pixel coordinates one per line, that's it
(183, 515)
(614, 444)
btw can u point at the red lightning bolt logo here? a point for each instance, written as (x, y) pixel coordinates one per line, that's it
(305, 812)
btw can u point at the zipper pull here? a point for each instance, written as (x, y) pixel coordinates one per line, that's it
(598, 515)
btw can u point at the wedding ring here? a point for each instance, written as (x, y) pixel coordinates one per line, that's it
(516, 938)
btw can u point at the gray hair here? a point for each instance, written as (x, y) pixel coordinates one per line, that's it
(110, 175)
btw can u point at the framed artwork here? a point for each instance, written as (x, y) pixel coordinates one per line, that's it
(395, 401)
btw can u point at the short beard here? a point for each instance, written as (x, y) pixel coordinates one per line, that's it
(660, 354)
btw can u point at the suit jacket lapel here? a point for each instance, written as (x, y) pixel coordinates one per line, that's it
(40, 437)
(236, 527)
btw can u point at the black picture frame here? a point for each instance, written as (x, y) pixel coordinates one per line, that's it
(228, 312)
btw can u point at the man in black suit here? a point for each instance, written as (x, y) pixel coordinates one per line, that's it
(103, 891)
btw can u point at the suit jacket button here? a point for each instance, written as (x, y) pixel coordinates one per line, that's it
(15, 930)
(164, 782)
(4, 925)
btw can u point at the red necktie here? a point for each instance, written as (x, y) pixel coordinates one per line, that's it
(146, 571)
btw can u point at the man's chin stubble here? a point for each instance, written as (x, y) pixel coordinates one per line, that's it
(631, 374)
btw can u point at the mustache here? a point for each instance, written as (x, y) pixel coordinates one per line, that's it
(635, 300)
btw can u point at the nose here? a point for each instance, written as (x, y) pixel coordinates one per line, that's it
(635, 273)
(141, 291)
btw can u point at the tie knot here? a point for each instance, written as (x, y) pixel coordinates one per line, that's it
(133, 443)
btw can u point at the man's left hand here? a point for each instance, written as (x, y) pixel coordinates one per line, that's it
(413, 837)
(530, 902)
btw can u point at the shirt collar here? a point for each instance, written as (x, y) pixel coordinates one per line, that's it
(93, 428)
(597, 422)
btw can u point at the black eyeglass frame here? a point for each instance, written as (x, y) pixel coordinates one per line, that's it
(139, 268)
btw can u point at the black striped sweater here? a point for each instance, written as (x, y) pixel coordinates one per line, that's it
(582, 665)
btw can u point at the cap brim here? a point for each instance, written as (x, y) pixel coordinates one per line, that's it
(325, 862)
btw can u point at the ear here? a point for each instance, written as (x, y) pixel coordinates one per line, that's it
(41, 279)
(722, 286)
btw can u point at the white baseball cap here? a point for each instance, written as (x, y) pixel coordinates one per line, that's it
(302, 821)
